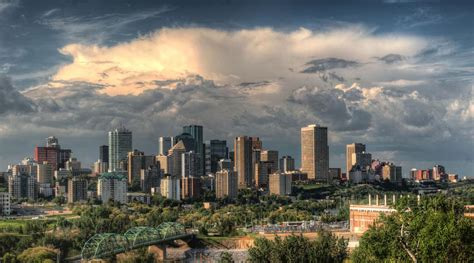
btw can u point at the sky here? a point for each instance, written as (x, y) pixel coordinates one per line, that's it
(395, 75)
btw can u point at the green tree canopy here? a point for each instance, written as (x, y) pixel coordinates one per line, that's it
(294, 249)
(433, 230)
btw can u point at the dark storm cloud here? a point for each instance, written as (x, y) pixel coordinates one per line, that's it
(330, 107)
(391, 58)
(319, 65)
(11, 101)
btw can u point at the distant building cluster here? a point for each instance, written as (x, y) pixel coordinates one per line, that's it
(185, 166)
(437, 173)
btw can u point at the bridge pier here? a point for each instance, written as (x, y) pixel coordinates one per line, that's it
(159, 251)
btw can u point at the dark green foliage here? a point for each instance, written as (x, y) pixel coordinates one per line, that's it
(433, 231)
(226, 257)
(295, 249)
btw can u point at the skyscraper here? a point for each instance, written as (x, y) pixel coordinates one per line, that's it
(350, 149)
(47, 154)
(174, 161)
(164, 145)
(197, 132)
(287, 163)
(272, 157)
(315, 152)
(52, 141)
(189, 164)
(120, 144)
(215, 151)
(104, 153)
(226, 184)
(439, 173)
(262, 170)
(136, 161)
(190, 187)
(243, 160)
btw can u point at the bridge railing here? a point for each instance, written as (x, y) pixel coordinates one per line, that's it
(108, 244)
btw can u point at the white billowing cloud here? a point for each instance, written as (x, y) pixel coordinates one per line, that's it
(224, 56)
(365, 87)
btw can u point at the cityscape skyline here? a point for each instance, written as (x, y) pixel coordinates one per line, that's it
(397, 77)
(407, 172)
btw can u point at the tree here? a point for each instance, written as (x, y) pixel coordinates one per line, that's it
(433, 230)
(38, 255)
(9, 258)
(226, 257)
(325, 248)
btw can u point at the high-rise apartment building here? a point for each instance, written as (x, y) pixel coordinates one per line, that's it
(44, 174)
(280, 183)
(120, 144)
(270, 156)
(136, 162)
(351, 149)
(104, 153)
(315, 152)
(244, 166)
(262, 170)
(164, 145)
(76, 189)
(5, 203)
(226, 184)
(189, 164)
(112, 187)
(170, 187)
(287, 164)
(23, 186)
(190, 187)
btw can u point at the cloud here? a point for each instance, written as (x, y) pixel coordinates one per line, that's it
(391, 58)
(11, 101)
(319, 65)
(6, 4)
(94, 29)
(237, 56)
(237, 82)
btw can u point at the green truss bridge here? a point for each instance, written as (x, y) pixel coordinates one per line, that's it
(107, 245)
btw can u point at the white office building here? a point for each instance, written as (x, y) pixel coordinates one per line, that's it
(112, 186)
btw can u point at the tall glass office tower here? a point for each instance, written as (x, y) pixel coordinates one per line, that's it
(120, 144)
(197, 132)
